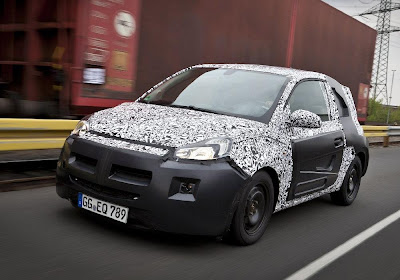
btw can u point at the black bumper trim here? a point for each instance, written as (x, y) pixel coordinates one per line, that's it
(209, 213)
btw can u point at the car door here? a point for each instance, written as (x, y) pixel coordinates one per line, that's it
(317, 152)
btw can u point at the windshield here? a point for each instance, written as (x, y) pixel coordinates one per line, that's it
(227, 91)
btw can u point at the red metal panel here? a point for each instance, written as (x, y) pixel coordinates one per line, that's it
(292, 32)
(304, 34)
(362, 100)
(178, 33)
(102, 44)
(333, 43)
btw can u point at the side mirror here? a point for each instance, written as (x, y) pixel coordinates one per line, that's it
(303, 118)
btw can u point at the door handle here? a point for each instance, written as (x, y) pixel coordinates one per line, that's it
(338, 142)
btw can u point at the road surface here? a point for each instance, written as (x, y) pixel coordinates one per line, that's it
(44, 237)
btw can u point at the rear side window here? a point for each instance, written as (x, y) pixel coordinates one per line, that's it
(342, 106)
(310, 96)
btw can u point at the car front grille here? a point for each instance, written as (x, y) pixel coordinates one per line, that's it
(103, 190)
(128, 175)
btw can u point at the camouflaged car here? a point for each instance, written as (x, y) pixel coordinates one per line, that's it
(215, 150)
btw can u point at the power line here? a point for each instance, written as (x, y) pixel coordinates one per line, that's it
(384, 7)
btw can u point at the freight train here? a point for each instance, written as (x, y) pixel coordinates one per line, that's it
(70, 57)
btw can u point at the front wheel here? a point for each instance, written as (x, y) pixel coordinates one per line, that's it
(254, 210)
(350, 186)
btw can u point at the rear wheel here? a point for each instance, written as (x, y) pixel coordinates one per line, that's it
(254, 210)
(350, 186)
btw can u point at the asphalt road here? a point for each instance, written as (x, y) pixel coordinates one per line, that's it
(44, 237)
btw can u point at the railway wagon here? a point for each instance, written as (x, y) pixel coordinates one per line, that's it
(74, 57)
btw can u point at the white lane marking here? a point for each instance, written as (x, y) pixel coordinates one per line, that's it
(317, 265)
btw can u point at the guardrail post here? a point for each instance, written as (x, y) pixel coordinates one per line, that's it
(385, 141)
(379, 131)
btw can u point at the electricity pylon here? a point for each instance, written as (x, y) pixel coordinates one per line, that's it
(381, 57)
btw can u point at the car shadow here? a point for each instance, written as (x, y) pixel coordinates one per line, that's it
(95, 222)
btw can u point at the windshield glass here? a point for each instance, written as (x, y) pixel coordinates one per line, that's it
(226, 91)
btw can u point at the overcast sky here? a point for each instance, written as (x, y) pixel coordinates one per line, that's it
(354, 7)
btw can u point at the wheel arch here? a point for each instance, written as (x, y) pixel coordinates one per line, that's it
(275, 180)
(363, 156)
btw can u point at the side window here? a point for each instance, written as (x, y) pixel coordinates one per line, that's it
(310, 96)
(342, 107)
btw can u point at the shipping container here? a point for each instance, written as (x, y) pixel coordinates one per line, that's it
(110, 51)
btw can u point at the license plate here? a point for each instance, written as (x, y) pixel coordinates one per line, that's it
(103, 208)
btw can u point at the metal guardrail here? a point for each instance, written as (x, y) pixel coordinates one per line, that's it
(375, 131)
(33, 134)
(394, 131)
(381, 131)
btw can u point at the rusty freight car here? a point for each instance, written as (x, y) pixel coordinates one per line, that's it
(110, 51)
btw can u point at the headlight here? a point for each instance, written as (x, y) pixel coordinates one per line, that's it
(205, 150)
(81, 128)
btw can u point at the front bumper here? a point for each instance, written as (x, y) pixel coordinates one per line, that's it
(150, 186)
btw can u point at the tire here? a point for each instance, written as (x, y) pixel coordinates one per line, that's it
(350, 186)
(254, 210)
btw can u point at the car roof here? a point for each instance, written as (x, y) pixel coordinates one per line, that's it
(289, 72)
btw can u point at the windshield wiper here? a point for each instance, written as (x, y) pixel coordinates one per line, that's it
(193, 108)
(190, 107)
(154, 103)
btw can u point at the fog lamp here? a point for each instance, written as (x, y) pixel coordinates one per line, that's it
(187, 188)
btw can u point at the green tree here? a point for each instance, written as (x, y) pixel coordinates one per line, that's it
(377, 112)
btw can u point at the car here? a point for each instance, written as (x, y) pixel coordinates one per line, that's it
(215, 150)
